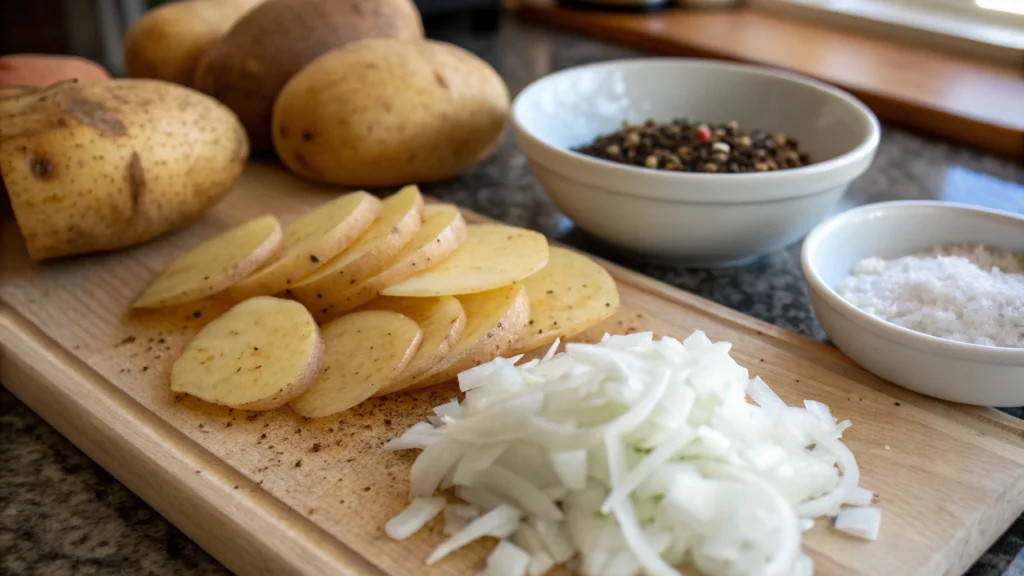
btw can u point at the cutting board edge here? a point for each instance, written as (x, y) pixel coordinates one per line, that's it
(119, 434)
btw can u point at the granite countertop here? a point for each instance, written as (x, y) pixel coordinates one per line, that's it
(62, 514)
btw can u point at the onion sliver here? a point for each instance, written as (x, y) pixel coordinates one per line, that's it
(860, 522)
(501, 522)
(416, 516)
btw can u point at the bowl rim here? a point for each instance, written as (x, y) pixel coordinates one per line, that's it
(889, 330)
(598, 170)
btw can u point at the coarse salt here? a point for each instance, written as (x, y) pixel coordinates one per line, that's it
(970, 294)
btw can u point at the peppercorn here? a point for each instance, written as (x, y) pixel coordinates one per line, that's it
(683, 146)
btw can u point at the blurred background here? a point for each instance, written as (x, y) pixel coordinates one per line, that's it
(94, 28)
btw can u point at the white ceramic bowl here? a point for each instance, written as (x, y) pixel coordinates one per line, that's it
(691, 218)
(967, 373)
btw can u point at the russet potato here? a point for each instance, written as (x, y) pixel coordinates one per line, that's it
(168, 41)
(247, 68)
(38, 70)
(103, 165)
(385, 112)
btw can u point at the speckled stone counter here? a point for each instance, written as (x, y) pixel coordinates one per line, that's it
(62, 514)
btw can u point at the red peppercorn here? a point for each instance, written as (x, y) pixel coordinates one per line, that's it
(703, 134)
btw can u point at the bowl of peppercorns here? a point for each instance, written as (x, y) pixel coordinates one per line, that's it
(695, 162)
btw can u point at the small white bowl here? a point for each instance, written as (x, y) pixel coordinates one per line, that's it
(692, 218)
(945, 369)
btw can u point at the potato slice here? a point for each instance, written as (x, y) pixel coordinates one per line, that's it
(214, 265)
(442, 231)
(569, 295)
(365, 352)
(310, 241)
(442, 321)
(400, 219)
(493, 255)
(257, 356)
(493, 321)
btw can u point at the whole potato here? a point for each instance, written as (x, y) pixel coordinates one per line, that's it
(167, 42)
(104, 165)
(43, 70)
(386, 112)
(247, 68)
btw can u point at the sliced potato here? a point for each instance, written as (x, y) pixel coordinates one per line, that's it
(365, 352)
(310, 241)
(214, 265)
(493, 321)
(493, 255)
(400, 219)
(257, 356)
(569, 295)
(442, 231)
(442, 321)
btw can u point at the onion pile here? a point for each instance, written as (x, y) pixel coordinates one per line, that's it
(631, 456)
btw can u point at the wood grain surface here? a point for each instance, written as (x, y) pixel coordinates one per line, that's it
(953, 97)
(272, 494)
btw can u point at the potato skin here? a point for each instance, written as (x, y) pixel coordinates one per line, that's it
(168, 41)
(42, 70)
(247, 68)
(104, 165)
(386, 112)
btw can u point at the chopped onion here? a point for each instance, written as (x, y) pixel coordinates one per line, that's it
(554, 539)
(501, 522)
(571, 467)
(419, 436)
(414, 517)
(631, 456)
(858, 496)
(456, 516)
(862, 522)
(478, 497)
(540, 563)
(450, 410)
(510, 486)
(507, 559)
(428, 471)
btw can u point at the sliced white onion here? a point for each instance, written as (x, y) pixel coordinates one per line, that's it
(764, 396)
(571, 467)
(554, 538)
(680, 437)
(418, 437)
(631, 456)
(456, 516)
(414, 517)
(501, 522)
(551, 351)
(862, 522)
(512, 487)
(830, 503)
(540, 563)
(478, 497)
(450, 410)
(858, 496)
(431, 466)
(556, 492)
(507, 559)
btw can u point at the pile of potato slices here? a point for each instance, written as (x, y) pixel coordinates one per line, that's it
(364, 297)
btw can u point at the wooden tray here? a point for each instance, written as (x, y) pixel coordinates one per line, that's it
(271, 494)
(946, 95)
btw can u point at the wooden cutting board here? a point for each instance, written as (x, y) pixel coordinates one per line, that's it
(272, 494)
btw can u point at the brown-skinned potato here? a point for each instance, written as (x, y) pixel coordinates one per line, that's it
(247, 68)
(103, 165)
(386, 112)
(168, 41)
